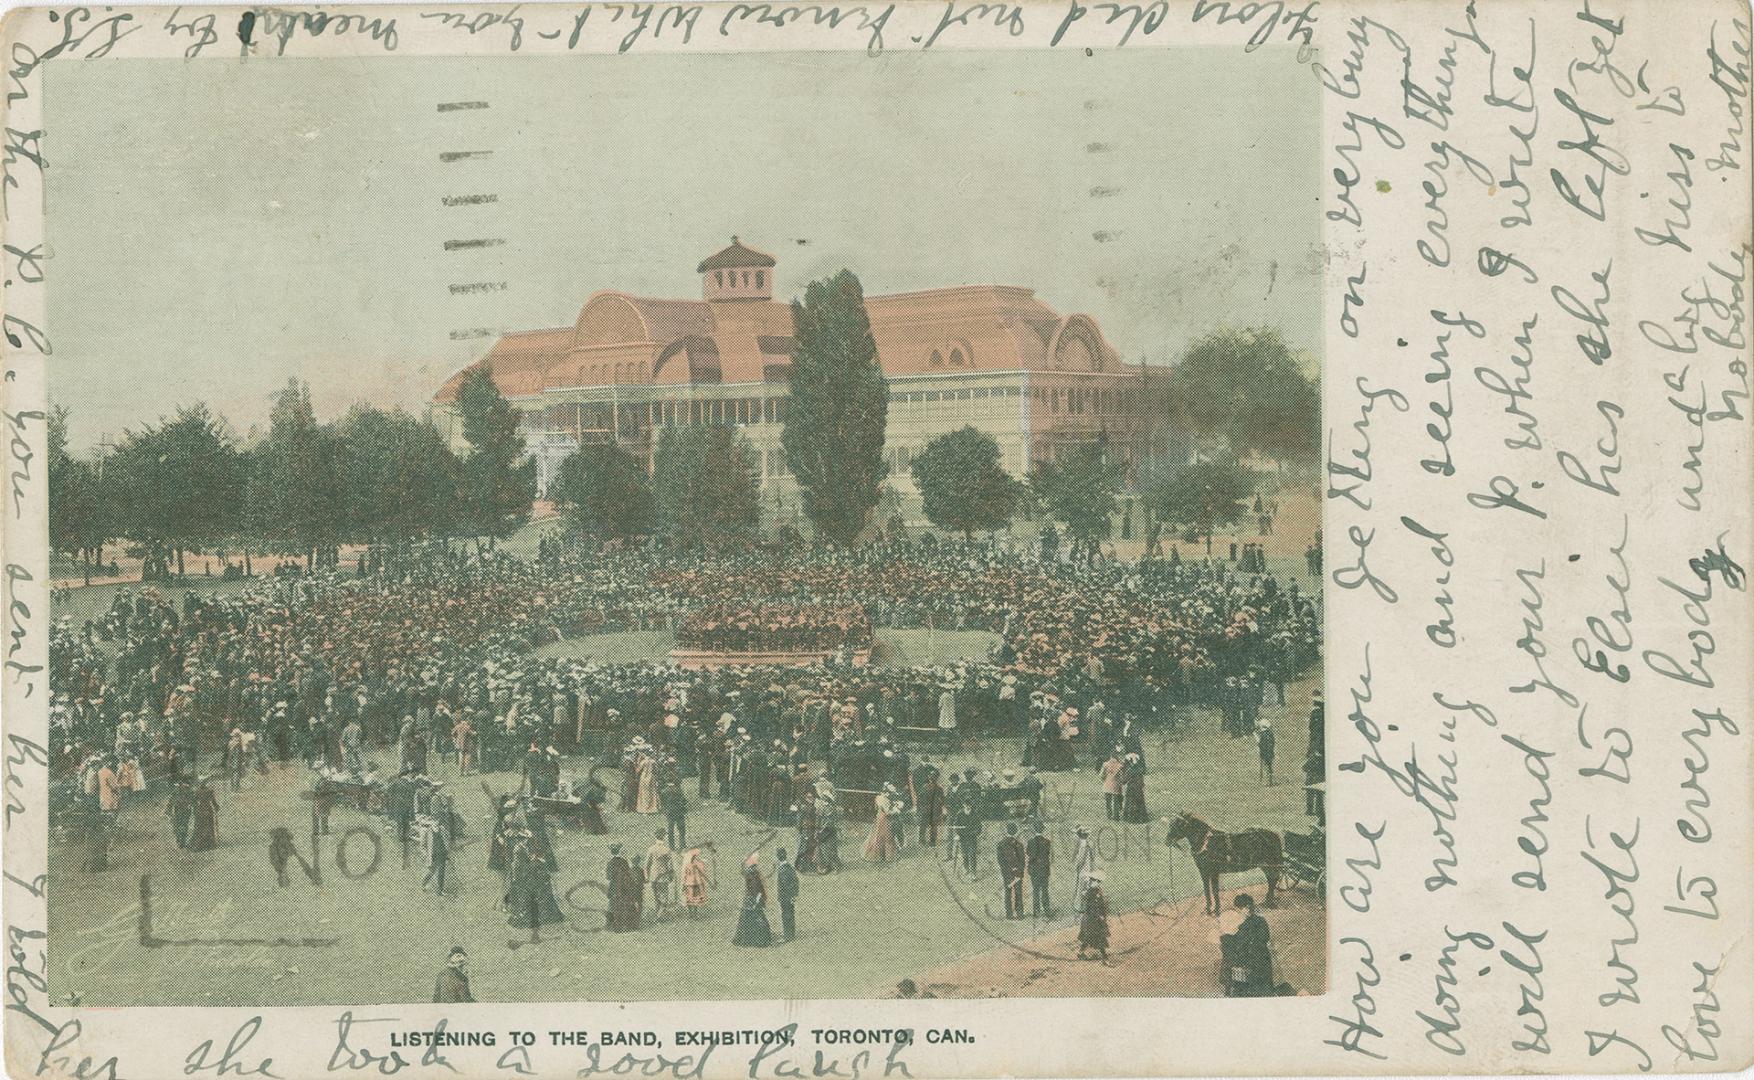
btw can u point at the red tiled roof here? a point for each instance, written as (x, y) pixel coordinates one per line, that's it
(626, 339)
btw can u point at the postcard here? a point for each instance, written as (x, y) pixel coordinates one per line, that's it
(916, 539)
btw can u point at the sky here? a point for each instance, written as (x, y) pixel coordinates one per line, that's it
(218, 226)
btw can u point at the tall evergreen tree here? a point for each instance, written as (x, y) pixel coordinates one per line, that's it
(839, 405)
(499, 483)
(604, 492)
(962, 484)
(295, 497)
(703, 478)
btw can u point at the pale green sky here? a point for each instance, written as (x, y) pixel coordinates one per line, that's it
(218, 225)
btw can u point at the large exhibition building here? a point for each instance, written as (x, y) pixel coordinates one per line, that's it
(991, 356)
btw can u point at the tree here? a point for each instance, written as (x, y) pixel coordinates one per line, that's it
(703, 478)
(839, 404)
(962, 484)
(1079, 487)
(401, 479)
(1244, 388)
(604, 492)
(177, 487)
(295, 494)
(1203, 496)
(76, 506)
(499, 483)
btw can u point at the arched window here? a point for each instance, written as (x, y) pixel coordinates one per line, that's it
(760, 277)
(956, 358)
(937, 359)
(719, 278)
(746, 279)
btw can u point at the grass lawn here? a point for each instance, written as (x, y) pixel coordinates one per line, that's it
(861, 930)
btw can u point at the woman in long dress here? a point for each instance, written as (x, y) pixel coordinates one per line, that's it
(499, 843)
(753, 929)
(530, 901)
(1133, 791)
(204, 834)
(592, 812)
(626, 892)
(629, 781)
(1056, 743)
(648, 785)
(695, 881)
(880, 846)
(1093, 923)
(827, 835)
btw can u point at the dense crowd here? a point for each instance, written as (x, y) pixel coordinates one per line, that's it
(736, 627)
(448, 640)
(438, 657)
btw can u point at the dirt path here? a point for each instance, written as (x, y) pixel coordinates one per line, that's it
(1167, 951)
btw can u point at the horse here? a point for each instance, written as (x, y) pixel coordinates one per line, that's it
(1217, 852)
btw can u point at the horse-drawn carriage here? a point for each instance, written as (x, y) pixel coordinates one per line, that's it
(1294, 857)
(1306, 858)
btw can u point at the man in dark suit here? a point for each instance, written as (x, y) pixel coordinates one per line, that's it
(968, 827)
(1011, 863)
(787, 878)
(1039, 858)
(399, 797)
(931, 804)
(675, 806)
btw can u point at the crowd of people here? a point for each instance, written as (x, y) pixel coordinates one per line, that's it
(735, 627)
(436, 660)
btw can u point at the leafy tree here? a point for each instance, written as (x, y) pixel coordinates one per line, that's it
(77, 522)
(401, 479)
(604, 492)
(1244, 388)
(1079, 487)
(295, 498)
(962, 484)
(499, 483)
(704, 481)
(178, 486)
(1204, 496)
(839, 404)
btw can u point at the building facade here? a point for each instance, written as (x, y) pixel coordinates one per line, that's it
(990, 356)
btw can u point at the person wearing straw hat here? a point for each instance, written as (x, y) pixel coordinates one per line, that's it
(1083, 865)
(660, 873)
(786, 882)
(880, 846)
(1111, 773)
(696, 880)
